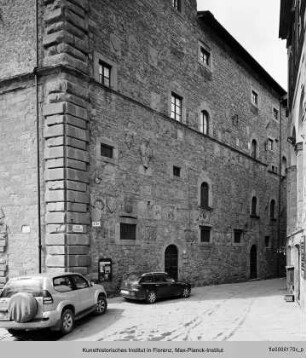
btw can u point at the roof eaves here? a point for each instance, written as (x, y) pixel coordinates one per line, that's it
(239, 49)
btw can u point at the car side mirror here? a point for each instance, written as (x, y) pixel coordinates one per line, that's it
(92, 283)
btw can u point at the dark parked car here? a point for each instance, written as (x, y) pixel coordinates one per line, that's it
(151, 286)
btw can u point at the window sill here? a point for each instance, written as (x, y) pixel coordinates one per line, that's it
(204, 243)
(254, 216)
(208, 208)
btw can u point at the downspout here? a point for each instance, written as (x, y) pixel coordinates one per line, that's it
(279, 187)
(38, 142)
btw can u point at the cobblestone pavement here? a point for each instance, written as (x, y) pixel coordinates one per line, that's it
(250, 311)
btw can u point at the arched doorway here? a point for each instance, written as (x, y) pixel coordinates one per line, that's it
(253, 262)
(171, 261)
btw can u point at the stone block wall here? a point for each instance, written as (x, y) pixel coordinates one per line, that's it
(18, 182)
(153, 50)
(66, 135)
(17, 37)
(134, 116)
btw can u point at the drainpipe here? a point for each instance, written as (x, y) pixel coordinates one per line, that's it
(38, 141)
(279, 187)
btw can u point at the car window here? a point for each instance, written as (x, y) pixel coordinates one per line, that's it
(146, 279)
(159, 278)
(63, 284)
(79, 282)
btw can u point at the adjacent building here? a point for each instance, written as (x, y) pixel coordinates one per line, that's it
(135, 136)
(292, 29)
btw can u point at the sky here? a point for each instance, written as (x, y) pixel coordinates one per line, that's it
(255, 25)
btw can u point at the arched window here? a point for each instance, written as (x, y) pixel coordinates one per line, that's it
(204, 122)
(254, 149)
(204, 195)
(254, 206)
(272, 210)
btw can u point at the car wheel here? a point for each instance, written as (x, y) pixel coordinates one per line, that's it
(101, 305)
(151, 297)
(186, 292)
(67, 321)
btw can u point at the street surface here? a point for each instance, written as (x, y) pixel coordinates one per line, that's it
(251, 311)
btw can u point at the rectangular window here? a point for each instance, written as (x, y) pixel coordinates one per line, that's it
(255, 98)
(270, 144)
(237, 236)
(177, 4)
(275, 114)
(205, 233)
(107, 150)
(105, 74)
(176, 171)
(205, 56)
(274, 169)
(127, 231)
(267, 241)
(176, 107)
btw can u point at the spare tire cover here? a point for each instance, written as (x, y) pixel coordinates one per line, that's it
(22, 307)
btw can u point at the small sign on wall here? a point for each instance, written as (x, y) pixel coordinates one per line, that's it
(25, 229)
(96, 223)
(77, 228)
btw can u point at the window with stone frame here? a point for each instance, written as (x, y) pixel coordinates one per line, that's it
(238, 236)
(270, 144)
(176, 171)
(275, 113)
(177, 4)
(205, 234)
(105, 73)
(205, 57)
(254, 206)
(127, 231)
(267, 241)
(204, 196)
(254, 149)
(107, 150)
(176, 107)
(272, 209)
(254, 98)
(204, 122)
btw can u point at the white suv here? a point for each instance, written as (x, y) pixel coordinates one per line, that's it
(49, 300)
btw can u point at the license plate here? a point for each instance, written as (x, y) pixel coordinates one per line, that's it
(124, 292)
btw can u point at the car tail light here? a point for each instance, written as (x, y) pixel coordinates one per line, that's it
(47, 297)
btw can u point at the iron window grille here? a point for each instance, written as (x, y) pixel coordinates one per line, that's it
(127, 231)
